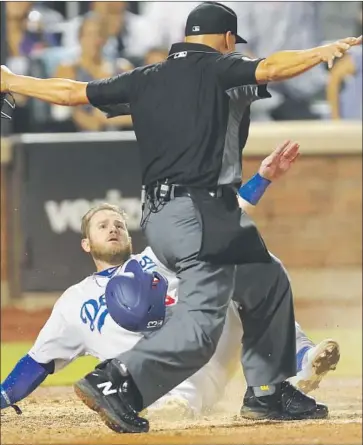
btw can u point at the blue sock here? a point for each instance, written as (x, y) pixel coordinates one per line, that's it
(300, 356)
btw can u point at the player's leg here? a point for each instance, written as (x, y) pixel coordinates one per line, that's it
(272, 291)
(203, 390)
(225, 362)
(313, 361)
(185, 401)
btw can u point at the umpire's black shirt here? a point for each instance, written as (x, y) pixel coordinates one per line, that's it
(186, 128)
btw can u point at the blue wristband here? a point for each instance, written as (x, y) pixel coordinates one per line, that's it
(253, 190)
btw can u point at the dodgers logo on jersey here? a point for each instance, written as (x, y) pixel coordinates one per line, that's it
(94, 312)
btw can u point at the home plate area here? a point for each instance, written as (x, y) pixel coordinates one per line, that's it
(54, 415)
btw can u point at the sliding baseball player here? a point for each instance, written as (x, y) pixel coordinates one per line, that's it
(80, 323)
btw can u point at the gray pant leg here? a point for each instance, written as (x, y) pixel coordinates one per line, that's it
(188, 339)
(267, 314)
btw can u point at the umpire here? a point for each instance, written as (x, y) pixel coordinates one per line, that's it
(188, 133)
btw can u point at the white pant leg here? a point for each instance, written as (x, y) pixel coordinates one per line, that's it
(205, 388)
(302, 339)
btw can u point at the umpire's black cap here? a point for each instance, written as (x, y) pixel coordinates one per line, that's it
(212, 18)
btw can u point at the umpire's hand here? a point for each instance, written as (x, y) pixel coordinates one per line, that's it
(279, 161)
(338, 49)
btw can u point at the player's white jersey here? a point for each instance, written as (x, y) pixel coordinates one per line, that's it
(81, 325)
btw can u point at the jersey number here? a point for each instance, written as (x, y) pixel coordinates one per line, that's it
(147, 263)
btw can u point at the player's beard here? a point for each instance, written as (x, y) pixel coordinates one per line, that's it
(113, 255)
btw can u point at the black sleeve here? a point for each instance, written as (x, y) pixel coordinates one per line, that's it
(115, 90)
(235, 70)
(249, 93)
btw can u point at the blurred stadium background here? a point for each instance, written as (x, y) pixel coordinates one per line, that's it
(56, 162)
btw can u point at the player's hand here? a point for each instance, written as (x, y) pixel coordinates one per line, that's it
(4, 402)
(279, 161)
(338, 49)
(3, 399)
(5, 78)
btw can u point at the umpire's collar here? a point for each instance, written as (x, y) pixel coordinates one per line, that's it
(187, 46)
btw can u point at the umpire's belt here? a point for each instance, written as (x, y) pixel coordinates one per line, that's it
(179, 191)
(166, 192)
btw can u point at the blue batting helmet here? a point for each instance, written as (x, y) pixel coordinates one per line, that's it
(136, 299)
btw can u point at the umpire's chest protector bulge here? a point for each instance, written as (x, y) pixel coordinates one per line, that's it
(229, 236)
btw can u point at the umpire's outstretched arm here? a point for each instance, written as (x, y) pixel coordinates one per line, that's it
(279, 66)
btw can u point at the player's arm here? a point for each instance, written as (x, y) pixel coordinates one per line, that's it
(26, 376)
(69, 92)
(56, 346)
(271, 168)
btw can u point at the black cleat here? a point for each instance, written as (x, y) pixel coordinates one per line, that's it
(110, 391)
(287, 403)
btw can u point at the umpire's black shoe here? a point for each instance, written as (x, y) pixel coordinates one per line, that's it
(287, 403)
(110, 391)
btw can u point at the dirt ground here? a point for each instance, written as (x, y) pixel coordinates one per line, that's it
(56, 416)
